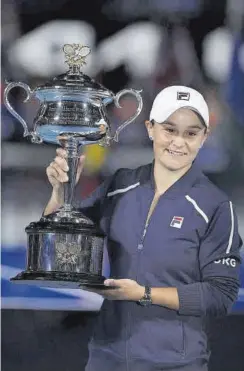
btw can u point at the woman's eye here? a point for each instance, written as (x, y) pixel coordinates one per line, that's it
(192, 134)
(169, 130)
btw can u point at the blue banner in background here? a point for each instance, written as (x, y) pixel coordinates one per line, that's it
(235, 84)
(20, 296)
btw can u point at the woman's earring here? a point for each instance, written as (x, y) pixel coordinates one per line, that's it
(150, 137)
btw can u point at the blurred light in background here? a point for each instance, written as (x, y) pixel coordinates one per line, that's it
(39, 52)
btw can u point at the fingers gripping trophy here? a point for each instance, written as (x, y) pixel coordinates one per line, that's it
(65, 248)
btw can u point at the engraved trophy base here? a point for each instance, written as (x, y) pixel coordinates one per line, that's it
(65, 250)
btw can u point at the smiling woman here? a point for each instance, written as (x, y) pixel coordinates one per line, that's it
(178, 127)
(167, 229)
(176, 141)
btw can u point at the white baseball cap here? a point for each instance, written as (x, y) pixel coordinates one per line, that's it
(172, 98)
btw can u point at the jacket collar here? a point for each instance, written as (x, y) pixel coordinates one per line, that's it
(181, 186)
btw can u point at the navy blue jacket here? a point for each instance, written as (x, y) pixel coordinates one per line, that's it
(191, 243)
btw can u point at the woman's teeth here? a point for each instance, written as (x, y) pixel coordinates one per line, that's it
(176, 153)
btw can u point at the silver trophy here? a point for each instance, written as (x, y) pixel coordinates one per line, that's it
(65, 249)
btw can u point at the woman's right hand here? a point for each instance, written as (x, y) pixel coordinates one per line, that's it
(57, 172)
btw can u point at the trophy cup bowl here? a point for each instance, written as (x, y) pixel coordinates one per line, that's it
(65, 248)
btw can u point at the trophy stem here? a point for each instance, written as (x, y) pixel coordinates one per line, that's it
(72, 147)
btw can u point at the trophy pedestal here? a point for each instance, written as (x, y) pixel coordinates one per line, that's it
(64, 249)
(60, 280)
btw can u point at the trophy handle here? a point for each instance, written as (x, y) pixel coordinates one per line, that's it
(34, 137)
(136, 94)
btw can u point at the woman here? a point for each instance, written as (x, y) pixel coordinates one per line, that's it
(173, 244)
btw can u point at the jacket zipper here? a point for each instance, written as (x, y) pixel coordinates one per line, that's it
(140, 248)
(147, 222)
(140, 245)
(183, 350)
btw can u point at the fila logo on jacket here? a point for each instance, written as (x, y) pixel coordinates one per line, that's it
(177, 221)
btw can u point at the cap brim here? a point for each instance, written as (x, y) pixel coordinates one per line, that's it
(173, 110)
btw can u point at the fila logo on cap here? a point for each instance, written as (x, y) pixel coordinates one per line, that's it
(183, 95)
(177, 222)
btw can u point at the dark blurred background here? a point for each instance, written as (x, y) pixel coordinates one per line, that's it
(135, 43)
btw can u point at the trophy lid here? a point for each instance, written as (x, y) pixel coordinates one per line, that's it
(74, 80)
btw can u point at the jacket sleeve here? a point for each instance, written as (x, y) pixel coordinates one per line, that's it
(92, 206)
(219, 259)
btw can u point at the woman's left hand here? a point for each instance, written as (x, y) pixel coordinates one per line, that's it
(123, 289)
